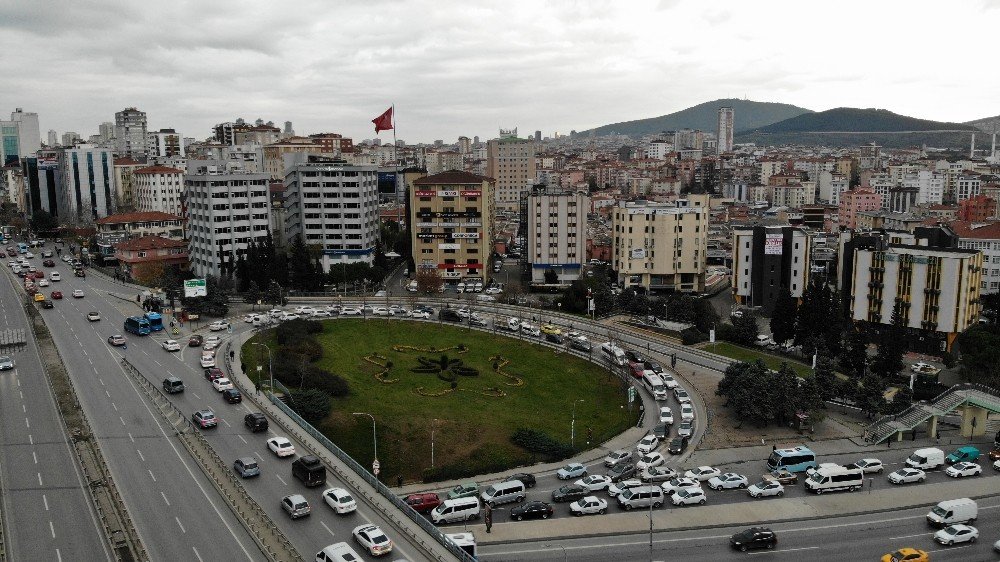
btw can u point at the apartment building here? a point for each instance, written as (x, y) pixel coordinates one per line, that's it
(660, 246)
(135, 254)
(557, 233)
(983, 237)
(767, 259)
(967, 186)
(225, 211)
(158, 188)
(451, 214)
(274, 154)
(794, 195)
(137, 225)
(130, 133)
(978, 209)
(332, 205)
(511, 162)
(857, 201)
(164, 143)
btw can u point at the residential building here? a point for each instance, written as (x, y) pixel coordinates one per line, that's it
(855, 201)
(983, 237)
(53, 138)
(86, 184)
(557, 233)
(830, 185)
(124, 168)
(870, 157)
(10, 142)
(130, 133)
(930, 186)
(12, 180)
(158, 188)
(70, 138)
(274, 154)
(333, 206)
(164, 143)
(106, 131)
(438, 161)
(767, 259)
(150, 251)
(659, 149)
(138, 225)
(29, 137)
(333, 143)
(511, 162)
(225, 211)
(226, 133)
(451, 218)
(258, 134)
(725, 130)
(967, 186)
(659, 246)
(794, 195)
(977, 209)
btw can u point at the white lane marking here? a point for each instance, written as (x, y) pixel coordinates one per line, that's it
(151, 475)
(911, 536)
(40, 479)
(197, 554)
(280, 479)
(130, 438)
(196, 396)
(102, 380)
(34, 456)
(58, 555)
(242, 439)
(123, 420)
(45, 501)
(227, 423)
(327, 529)
(108, 393)
(52, 529)
(24, 409)
(21, 394)
(179, 524)
(140, 455)
(31, 439)
(165, 498)
(27, 423)
(113, 405)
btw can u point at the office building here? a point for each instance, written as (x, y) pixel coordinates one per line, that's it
(511, 162)
(165, 143)
(334, 206)
(41, 182)
(725, 129)
(158, 189)
(451, 218)
(86, 184)
(225, 211)
(274, 154)
(130, 133)
(10, 142)
(28, 134)
(767, 259)
(557, 233)
(660, 246)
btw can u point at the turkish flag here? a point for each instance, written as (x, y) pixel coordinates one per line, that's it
(383, 122)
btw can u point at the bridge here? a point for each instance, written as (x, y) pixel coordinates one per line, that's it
(975, 402)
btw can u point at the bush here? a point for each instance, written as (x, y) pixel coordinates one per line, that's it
(306, 346)
(325, 381)
(539, 442)
(312, 404)
(690, 336)
(486, 459)
(289, 332)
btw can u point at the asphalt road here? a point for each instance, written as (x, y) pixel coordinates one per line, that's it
(46, 508)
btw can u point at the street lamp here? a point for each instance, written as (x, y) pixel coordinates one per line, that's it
(270, 371)
(374, 441)
(433, 424)
(572, 426)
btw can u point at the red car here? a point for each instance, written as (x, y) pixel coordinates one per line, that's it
(56, 294)
(422, 503)
(213, 373)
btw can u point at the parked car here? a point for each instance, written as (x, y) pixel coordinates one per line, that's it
(531, 510)
(588, 506)
(527, 479)
(464, 490)
(422, 503)
(766, 488)
(907, 475)
(568, 493)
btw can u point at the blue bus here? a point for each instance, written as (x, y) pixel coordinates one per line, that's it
(22, 248)
(155, 321)
(137, 325)
(795, 459)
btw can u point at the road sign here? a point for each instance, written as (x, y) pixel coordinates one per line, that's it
(195, 288)
(631, 394)
(375, 467)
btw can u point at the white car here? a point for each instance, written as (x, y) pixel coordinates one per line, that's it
(304, 310)
(766, 488)
(171, 345)
(614, 490)
(43, 282)
(666, 415)
(372, 539)
(589, 506)
(493, 291)
(647, 444)
(685, 429)
(350, 311)
(689, 496)
(728, 481)
(218, 326)
(286, 316)
(275, 313)
(870, 466)
(682, 395)
(207, 360)
(249, 318)
(650, 460)
(531, 330)
(222, 383)
(380, 311)
(571, 470)
(77, 293)
(55, 276)
(956, 534)
(93, 316)
(703, 473)
(963, 469)
(398, 310)
(594, 482)
(281, 446)
(675, 484)
(210, 343)
(687, 411)
(996, 465)
(340, 500)
(907, 475)
(423, 314)
(657, 474)
(322, 314)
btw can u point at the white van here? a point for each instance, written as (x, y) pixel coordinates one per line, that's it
(655, 385)
(513, 325)
(614, 353)
(641, 496)
(460, 287)
(339, 552)
(926, 459)
(465, 541)
(835, 478)
(451, 511)
(949, 512)
(503, 492)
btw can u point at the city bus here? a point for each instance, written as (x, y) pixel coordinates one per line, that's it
(155, 320)
(137, 325)
(795, 459)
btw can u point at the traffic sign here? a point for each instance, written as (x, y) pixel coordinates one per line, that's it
(631, 394)
(375, 467)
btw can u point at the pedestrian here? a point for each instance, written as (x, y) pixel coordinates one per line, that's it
(399, 481)
(256, 386)
(232, 355)
(138, 297)
(488, 518)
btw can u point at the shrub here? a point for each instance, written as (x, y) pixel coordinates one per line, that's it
(289, 332)
(485, 459)
(690, 336)
(312, 404)
(309, 347)
(325, 381)
(541, 443)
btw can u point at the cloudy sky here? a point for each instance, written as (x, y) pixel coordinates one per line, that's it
(469, 68)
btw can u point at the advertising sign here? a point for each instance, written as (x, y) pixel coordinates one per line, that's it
(465, 235)
(471, 193)
(637, 253)
(195, 288)
(424, 193)
(773, 244)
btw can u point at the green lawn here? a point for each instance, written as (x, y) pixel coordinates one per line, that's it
(740, 353)
(473, 425)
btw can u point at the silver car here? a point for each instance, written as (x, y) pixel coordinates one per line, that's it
(6, 363)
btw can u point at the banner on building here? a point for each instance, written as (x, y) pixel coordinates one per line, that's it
(637, 254)
(773, 244)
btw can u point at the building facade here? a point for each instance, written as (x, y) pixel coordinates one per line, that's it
(130, 133)
(767, 259)
(557, 234)
(725, 129)
(41, 184)
(158, 188)
(511, 162)
(150, 251)
(274, 154)
(137, 225)
(660, 246)
(857, 201)
(164, 143)
(983, 237)
(86, 184)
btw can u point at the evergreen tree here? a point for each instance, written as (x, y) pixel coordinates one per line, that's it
(835, 324)
(891, 347)
(275, 294)
(870, 395)
(809, 399)
(783, 317)
(745, 329)
(901, 400)
(300, 265)
(784, 388)
(252, 294)
(853, 356)
(825, 379)
(242, 273)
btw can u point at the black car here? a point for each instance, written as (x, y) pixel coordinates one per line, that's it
(255, 421)
(754, 537)
(232, 396)
(449, 315)
(621, 471)
(653, 366)
(635, 357)
(661, 431)
(569, 493)
(580, 345)
(527, 479)
(47, 304)
(531, 510)
(677, 445)
(554, 338)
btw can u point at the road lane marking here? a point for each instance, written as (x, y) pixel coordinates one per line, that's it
(197, 554)
(910, 536)
(40, 479)
(27, 423)
(101, 380)
(140, 455)
(123, 420)
(227, 423)
(45, 500)
(24, 409)
(151, 475)
(132, 439)
(114, 406)
(52, 529)
(165, 498)
(196, 396)
(327, 529)
(34, 456)
(31, 439)
(280, 479)
(108, 393)
(179, 524)
(243, 440)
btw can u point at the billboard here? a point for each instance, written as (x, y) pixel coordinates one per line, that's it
(637, 254)
(773, 244)
(195, 288)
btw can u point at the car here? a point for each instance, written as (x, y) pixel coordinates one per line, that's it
(232, 396)
(781, 476)
(6, 363)
(766, 488)
(530, 330)
(249, 318)
(523, 477)
(222, 383)
(213, 373)
(207, 360)
(94, 316)
(43, 282)
(210, 343)
(380, 311)
(728, 481)
(594, 482)
(967, 454)
(205, 418)
(255, 421)
(195, 340)
(46, 304)
(350, 311)
(171, 345)
(907, 475)
(657, 474)
(218, 325)
(661, 431)
(682, 395)
(117, 340)
(321, 314)
(571, 470)
(55, 276)
(650, 459)
(296, 506)
(703, 473)
(39, 297)
(340, 500)
(754, 537)
(867, 466)
(685, 429)
(246, 467)
(422, 503)
(634, 357)
(616, 457)
(956, 533)
(77, 293)
(963, 469)
(994, 454)
(493, 290)
(689, 496)
(554, 338)
(618, 487)
(372, 539)
(996, 464)
(281, 446)
(286, 316)
(677, 445)
(304, 310)
(681, 483)
(420, 314)
(48, 263)
(906, 555)
(568, 493)
(464, 490)
(589, 506)
(666, 415)
(621, 471)
(550, 329)
(57, 295)
(531, 510)
(687, 412)
(647, 444)
(79, 273)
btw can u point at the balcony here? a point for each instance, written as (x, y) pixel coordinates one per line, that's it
(875, 284)
(930, 291)
(876, 269)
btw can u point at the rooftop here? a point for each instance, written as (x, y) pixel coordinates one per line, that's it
(149, 216)
(151, 243)
(158, 170)
(453, 177)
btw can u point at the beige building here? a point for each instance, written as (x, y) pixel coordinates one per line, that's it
(511, 161)
(274, 154)
(452, 223)
(660, 246)
(158, 188)
(793, 195)
(124, 181)
(557, 234)
(137, 225)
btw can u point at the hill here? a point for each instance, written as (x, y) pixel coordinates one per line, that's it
(749, 115)
(987, 124)
(852, 120)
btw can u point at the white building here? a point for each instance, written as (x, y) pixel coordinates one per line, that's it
(984, 237)
(511, 161)
(967, 187)
(164, 143)
(53, 138)
(830, 185)
(86, 179)
(158, 188)
(557, 234)
(659, 149)
(29, 136)
(224, 211)
(930, 186)
(130, 133)
(725, 129)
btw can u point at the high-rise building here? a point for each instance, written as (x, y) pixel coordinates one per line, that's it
(557, 233)
(10, 142)
(225, 212)
(289, 131)
(53, 138)
(86, 184)
(225, 133)
(41, 183)
(164, 143)
(69, 138)
(464, 145)
(106, 131)
(767, 259)
(332, 205)
(660, 246)
(538, 136)
(29, 136)
(130, 133)
(274, 154)
(511, 162)
(725, 129)
(158, 188)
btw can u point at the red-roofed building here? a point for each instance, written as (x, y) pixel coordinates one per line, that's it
(137, 225)
(136, 257)
(977, 209)
(158, 188)
(985, 237)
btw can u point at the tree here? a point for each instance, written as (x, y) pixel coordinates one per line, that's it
(428, 280)
(275, 295)
(900, 401)
(784, 392)
(870, 395)
(551, 277)
(43, 221)
(888, 360)
(980, 346)
(854, 356)
(300, 266)
(825, 379)
(746, 387)
(809, 399)
(312, 404)
(745, 329)
(253, 294)
(148, 273)
(783, 317)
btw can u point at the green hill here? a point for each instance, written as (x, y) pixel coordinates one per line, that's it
(748, 115)
(852, 120)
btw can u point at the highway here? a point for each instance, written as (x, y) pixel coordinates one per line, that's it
(45, 505)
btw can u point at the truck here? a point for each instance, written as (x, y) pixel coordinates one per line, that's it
(310, 470)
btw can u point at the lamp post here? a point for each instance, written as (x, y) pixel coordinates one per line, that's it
(572, 426)
(374, 441)
(270, 371)
(433, 423)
